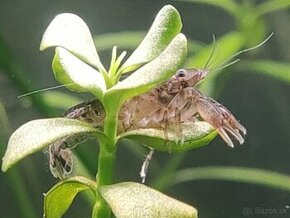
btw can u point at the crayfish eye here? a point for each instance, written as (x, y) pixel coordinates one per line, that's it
(181, 73)
(97, 112)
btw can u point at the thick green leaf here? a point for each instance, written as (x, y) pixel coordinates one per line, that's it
(165, 27)
(134, 200)
(78, 76)
(38, 134)
(59, 198)
(151, 74)
(271, 68)
(72, 33)
(194, 135)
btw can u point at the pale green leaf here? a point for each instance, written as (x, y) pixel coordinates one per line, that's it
(38, 134)
(59, 198)
(194, 135)
(72, 33)
(156, 71)
(76, 74)
(134, 200)
(165, 27)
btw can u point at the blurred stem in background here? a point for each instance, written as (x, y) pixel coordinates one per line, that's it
(13, 71)
(14, 177)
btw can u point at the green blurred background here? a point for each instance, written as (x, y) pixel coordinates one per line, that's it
(255, 90)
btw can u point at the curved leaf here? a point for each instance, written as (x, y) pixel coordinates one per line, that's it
(194, 135)
(235, 174)
(165, 27)
(78, 76)
(134, 200)
(38, 134)
(72, 33)
(59, 198)
(151, 74)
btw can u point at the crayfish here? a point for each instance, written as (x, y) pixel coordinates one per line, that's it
(170, 104)
(177, 101)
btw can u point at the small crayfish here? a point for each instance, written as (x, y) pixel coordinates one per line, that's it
(170, 104)
(177, 101)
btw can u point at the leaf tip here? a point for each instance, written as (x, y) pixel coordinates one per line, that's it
(42, 46)
(168, 7)
(4, 166)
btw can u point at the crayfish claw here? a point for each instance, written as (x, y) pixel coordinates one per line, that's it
(229, 125)
(220, 118)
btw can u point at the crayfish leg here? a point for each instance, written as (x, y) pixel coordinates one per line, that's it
(60, 160)
(145, 165)
(128, 113)
(177, 126)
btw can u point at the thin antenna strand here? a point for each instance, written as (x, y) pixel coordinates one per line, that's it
(43, 90)
(243, 51)
(226, 65)
(207, 64)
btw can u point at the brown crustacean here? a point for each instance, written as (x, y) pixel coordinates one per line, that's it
(170, 104)
(60, 154)
(60, 159)
(177, 101)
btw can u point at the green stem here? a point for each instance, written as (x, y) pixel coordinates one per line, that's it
(106, 161)
(106, 166)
